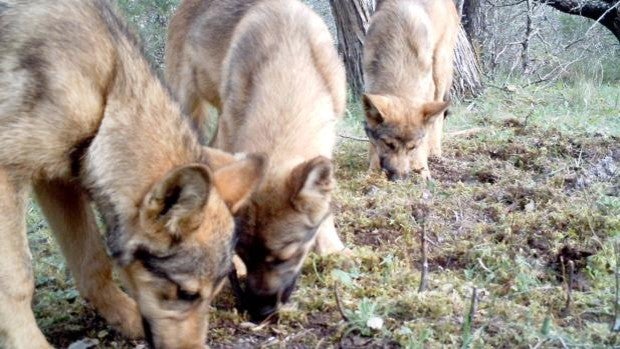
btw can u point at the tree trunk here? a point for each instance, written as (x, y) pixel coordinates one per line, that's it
(352, 18)
(606, 12)
(473, 20)
(467, 72)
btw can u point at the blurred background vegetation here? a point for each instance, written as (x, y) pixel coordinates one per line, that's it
(559, 46)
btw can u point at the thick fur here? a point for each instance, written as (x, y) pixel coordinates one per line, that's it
(83, 117)
(271, 67)
(408, 64)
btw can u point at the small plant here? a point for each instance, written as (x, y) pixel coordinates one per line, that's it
(366, 319)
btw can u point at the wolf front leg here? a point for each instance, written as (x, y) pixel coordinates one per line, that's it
(442, 76)
(327, 240)
(18, 328)
(70, 217)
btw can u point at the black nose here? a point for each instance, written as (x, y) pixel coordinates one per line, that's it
(394, 176)
(260, 307)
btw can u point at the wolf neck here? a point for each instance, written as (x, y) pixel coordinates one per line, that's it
(142, 136)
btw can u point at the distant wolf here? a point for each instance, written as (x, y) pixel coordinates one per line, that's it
(408, 63)
(83, 118)
(272, 69)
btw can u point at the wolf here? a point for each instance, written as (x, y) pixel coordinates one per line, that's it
(83, 118)
(407, 65)
(272, 69)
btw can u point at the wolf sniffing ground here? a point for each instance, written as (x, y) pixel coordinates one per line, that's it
(273, 71)
(408, 64)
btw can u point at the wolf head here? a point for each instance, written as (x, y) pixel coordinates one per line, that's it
(177, 252)
(397, 130)
(277, 230)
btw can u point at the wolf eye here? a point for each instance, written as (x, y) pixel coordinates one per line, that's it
(410, 147)
(389, 144)
(186, 296)
(274, 261)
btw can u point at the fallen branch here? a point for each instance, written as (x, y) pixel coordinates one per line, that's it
(468, 325)
(355, 138)
(569, 288)
(616, 325)
(423, 278)
(465, 133)
(339, 304)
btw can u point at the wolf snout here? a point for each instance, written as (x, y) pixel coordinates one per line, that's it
(262, 306)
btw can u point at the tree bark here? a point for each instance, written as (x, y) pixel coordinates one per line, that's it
(606, 12)
(473, 20)
(352, 18)
(467, 80)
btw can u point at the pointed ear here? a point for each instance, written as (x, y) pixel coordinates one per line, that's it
(311, 184)
(216, 158)
(432, 109)
(176, 202)
(373, 104)
(237, 181)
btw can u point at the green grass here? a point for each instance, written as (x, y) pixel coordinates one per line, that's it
(539, 182)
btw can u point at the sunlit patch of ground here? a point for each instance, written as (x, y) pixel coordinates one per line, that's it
(509, 209)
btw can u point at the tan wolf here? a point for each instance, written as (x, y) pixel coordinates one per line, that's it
(271, 67)
(408, 63)
(83, 117)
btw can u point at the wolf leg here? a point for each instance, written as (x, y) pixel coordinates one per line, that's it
(442, 75)
(327, 240)
(435, 134)
(374, 159)
(70, 216)
(419, 159)
(18, 328)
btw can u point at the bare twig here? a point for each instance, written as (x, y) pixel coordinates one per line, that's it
(616, 324)
(465, 133)
(473, 306)
(355, 138)
(569, 288)
(585, 35)
(540, 342)
(564, 346)
(420, 212)
(468, 326)
(423, 278)
(339, 304)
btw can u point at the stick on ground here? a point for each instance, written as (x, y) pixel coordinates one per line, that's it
(423, 278)
(616, 324)
(569, 289)
(339, 304)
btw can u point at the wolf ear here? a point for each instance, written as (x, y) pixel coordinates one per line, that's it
(176, 202)
(237, 181)
(312, 183)
(216, 158)
(372, 108)
(432, 109)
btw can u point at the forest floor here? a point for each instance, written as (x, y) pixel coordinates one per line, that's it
(509, 210)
